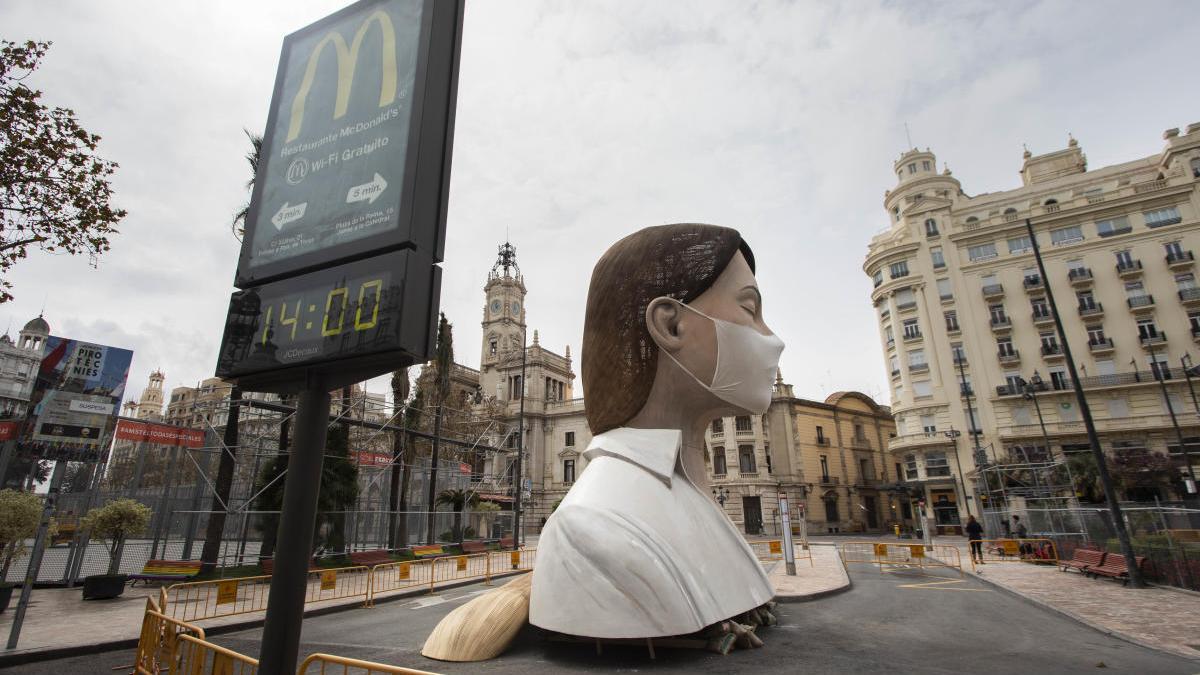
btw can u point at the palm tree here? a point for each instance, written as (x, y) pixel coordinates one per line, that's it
(457, 500)
(239, 218)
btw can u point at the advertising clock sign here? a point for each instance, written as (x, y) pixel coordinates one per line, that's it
(355, 160)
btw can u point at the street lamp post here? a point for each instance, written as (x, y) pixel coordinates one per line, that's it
(1110, 492)
(953, 435)
(721, 494)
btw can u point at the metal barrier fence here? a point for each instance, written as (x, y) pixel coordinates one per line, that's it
(901, 555)
(326, 664)
(772, 549)
(1034, 551)
(157, 644)
(194, 656)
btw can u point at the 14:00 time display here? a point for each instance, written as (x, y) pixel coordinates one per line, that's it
(337, 310)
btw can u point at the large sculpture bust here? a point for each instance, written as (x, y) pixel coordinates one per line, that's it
(638, 548)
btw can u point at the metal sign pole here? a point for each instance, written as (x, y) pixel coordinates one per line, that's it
(35, 557)
(789, 553)
(298, 518)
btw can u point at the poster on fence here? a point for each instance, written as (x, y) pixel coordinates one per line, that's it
(329, 580)
(227, 591)
(75, 401)
(161, 434)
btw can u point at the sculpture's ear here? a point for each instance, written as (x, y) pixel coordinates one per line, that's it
(663, 324)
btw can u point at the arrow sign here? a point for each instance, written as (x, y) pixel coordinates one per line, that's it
(287, 214)
(367, 192)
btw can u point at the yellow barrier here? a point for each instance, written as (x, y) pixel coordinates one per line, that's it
(901, 555)
(197, 600)
(198, 657)
(1035, 551)
(772, 549)
(366, 667)
(158, 641)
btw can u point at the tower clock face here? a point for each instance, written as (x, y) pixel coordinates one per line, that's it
(495, 307)
(516, 308)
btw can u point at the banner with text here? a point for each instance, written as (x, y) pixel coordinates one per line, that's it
(161, 434)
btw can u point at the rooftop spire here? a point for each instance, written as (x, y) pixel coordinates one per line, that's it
(506, 260)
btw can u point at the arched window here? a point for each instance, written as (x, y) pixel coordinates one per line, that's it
(1009, 210)
(972, 220)
(931, 228)
(1196, 167)
(1050, 201)
(719, 461)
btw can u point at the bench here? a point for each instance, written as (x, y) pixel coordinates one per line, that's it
(1082, 559)
(166, 570)
(433, 551)
(506, 542)
(469, 547)
(370, 558)
(1115, 567)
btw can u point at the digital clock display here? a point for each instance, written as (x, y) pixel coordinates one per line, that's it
(330, 315)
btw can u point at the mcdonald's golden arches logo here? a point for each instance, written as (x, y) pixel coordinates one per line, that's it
(347, 60)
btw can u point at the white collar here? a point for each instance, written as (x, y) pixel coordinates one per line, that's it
(655, 450)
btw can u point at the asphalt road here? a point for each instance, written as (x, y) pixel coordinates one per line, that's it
(903, 621)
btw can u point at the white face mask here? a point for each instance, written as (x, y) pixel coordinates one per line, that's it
(747, 362)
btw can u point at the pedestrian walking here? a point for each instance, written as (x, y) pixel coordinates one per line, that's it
(1019, 531)
(975, 539)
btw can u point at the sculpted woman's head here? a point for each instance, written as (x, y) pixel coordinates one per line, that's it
(686, 292)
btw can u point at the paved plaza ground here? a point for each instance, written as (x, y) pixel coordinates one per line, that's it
(900, 620)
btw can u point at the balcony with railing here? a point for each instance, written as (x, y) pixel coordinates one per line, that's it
(1140, 303)
(1010, 356)
(918, 367)
(1189, 296)
(823, 441)
(1129, 269)
(1196, 333)
(1152, 339)
(992, 291)
(1180, 259)
(1033, 283)
(1116, 424)
(1140, 377)
(1042, 316)
(830, 480)
(1000, 323)
(1052, 352)
(1104, 346)
(912, 335)
(1079, 276)
(1091, 309)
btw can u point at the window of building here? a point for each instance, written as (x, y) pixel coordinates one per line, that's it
(1185, 281)
(1160, 217)
(1106, 367)
(935, 254)
(982, 252)
(945, 291)
(877, 278)
(964, 385)
(865, 470)
(1066, 235)
(746, 459)
(1194, 322)
(1124, 259)
(895, 363)
(1113, 226)
(1059, 380)
(767, 456)
(1031, 276)
(910, 467)
(922, 388)
(1013, 380)
(931, 228)
(569, 439)
(916, 359)
(899, 472)
(568, 471)
(929, 424)
(492, 347)
(899, 269)
(1195, 167)
(825, 468)
(1135, 289)
(820, 434)
(1095, 335)
(956, 351)
(859, 433)
(831, 510)
(1040, 308)
(742, 422)
(951, 320)
(719, 461)
(1174, 249)
(1147, 328)
(911, 329)
(891, 338)
(997, 313)
(1049, 342)
(912, 168)
(718, 426)
(1004, 346)
(1019, 244)
(925, 164)
(1086, 300)
(905, 299)
(936, 464)
(1159, 367)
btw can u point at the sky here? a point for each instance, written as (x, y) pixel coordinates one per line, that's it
(580, 122)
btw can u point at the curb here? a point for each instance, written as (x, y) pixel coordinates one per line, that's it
(817, 595)
(1079, 619)
(53, 653)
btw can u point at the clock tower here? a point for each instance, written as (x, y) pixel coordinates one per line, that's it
(503, 317)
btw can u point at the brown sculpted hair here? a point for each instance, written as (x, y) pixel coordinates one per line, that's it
(620, 358)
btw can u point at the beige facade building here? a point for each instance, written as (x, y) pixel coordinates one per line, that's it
(964, 315)
(829, 457)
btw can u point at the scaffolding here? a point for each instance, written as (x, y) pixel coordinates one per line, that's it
(1043, 489)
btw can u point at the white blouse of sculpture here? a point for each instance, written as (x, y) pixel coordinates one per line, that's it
(636, 550)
